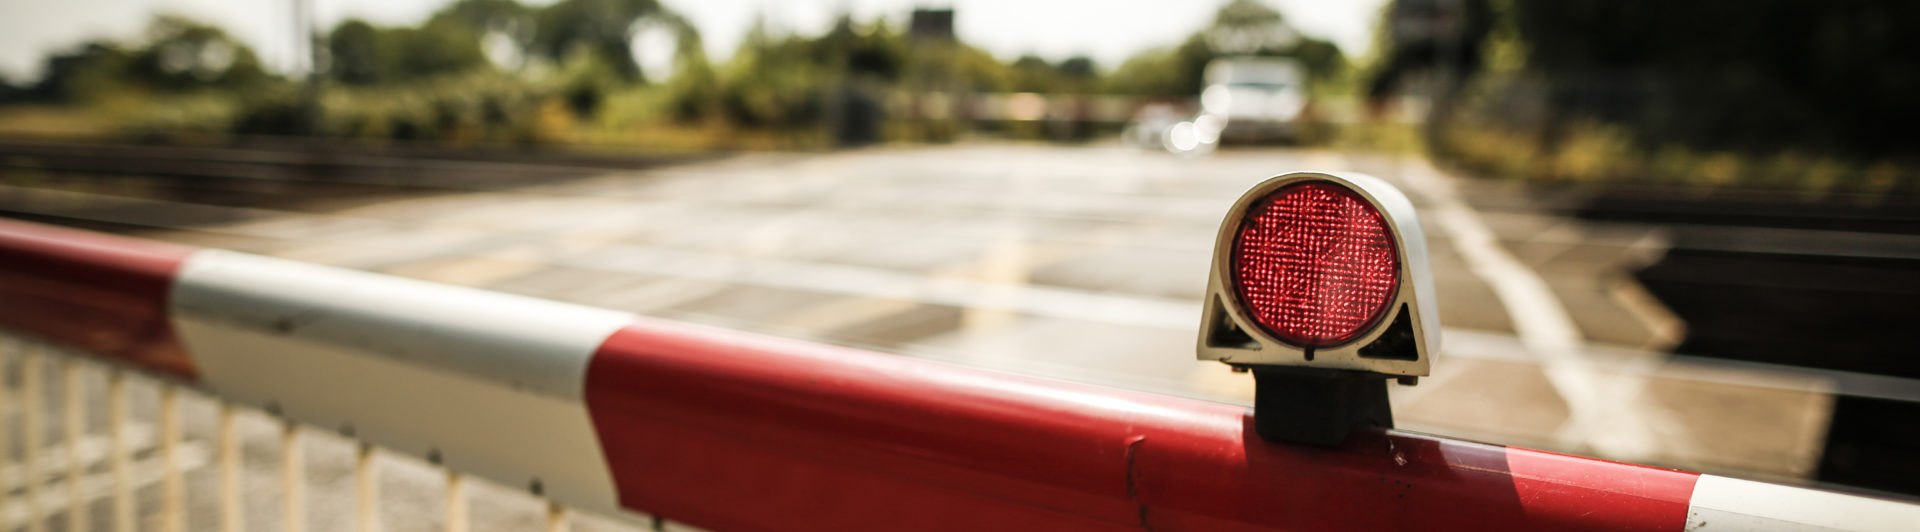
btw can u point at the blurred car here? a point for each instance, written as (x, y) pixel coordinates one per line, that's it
(1149, 126)
(1173, 128)
(1256, 99)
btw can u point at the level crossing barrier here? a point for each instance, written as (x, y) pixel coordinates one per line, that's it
(654, 422)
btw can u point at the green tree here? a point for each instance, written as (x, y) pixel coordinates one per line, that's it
(1250, 28)
(363, 54)
(494, 19)
(80, 74)
(441, 46)
(601, 28)
(490, 15)
(1030, 73)
(183, 54)
(1078, 67)
(1239, 28)
(1726, 74)
(176, 55)
(354, 54)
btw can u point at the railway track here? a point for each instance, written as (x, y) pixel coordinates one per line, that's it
(1780, 278)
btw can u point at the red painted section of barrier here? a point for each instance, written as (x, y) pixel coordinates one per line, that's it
(99, 293)
(740, 432)
(1596, 493)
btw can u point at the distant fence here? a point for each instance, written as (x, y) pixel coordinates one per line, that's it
(657, 421)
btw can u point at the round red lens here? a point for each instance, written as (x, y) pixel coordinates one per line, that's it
(1314, 264)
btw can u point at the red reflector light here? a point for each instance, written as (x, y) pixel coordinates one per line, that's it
(1314, 264)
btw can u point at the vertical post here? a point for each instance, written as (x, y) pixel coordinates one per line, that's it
(117, 432)
(369, 489)
(75, 425)
(293, 478)
(173, 494)
(6, 418)
(231, 518)
(31, 427)
(456, 501)
(305, 65)
(556, 517)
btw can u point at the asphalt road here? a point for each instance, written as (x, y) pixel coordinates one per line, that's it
(1082, 263)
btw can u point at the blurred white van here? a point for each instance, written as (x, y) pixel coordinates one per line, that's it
(1256, 99)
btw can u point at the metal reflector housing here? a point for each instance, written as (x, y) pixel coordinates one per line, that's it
(1322, 270)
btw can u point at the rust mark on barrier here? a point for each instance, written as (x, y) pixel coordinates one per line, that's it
(1133, 491)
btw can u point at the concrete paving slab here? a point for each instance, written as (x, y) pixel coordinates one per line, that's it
(1501, 401)
(1741, 429)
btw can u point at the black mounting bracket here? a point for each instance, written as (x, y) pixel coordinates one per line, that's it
(1317, 406)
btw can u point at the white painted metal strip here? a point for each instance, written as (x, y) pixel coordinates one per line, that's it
(1721, 503)
(487, 335)
(490, 383)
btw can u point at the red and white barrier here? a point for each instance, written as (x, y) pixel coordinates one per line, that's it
(724, 430)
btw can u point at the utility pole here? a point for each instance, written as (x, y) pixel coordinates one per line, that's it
(305, 67)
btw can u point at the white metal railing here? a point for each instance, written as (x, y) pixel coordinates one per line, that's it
(148, 471)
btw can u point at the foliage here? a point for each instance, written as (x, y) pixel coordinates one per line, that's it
(1710, 92)
(1157, 72)
(362, 54)
(601, 28)
(506, 16)
(504, 71)
(1730, 75)
(175, 55)
(1240, 28)
(474, 107)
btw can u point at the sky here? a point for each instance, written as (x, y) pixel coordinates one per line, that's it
(1108, 31)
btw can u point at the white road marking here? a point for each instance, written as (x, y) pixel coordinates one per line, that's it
(1600, 413)
(1665, 330)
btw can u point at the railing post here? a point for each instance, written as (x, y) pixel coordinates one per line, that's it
(6, 414)
(7, 402)
(292, 477)
(231, 516)
(456, 501)
(173, 494)
(117, 427)
(368, 482)
(556, 517)
(76, 424)
(31, 427)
